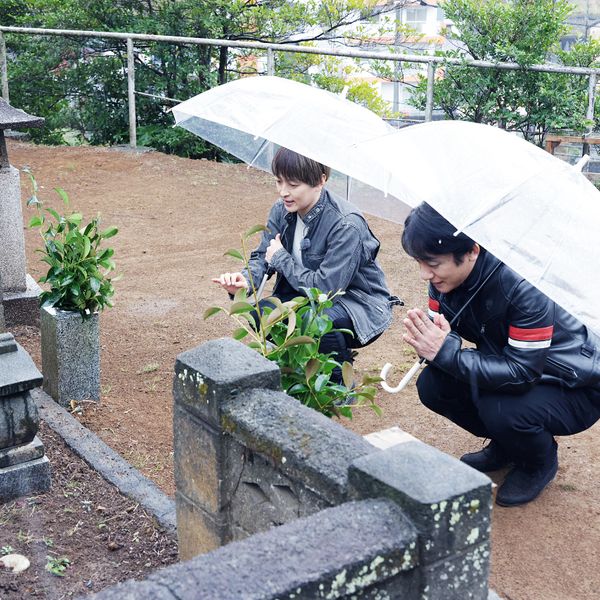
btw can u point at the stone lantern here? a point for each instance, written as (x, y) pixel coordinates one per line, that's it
(19, 289)
(24, 469)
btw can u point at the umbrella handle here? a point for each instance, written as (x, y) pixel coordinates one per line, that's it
(405, 379)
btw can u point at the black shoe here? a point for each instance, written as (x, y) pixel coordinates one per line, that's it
(491, 458)
(524, 485)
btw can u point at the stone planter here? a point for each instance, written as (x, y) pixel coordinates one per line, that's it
(70, 355)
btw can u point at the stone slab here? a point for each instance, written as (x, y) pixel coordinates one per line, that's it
(106, 461)
(449, 503)
(21, 454)
(341, 552)
(198, 531)
(216, 370)
(23, 308)
(18, 372)
(463, 576)
(70, 355)
(19, 419)
(301, 443)
(2, 321)
(25, 479)
(12, 240)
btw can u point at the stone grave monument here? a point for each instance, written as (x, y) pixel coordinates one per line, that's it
(20, 290)
(24, 469)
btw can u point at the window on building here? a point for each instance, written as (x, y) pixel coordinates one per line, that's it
(417, 18)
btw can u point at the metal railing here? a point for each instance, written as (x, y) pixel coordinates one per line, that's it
(270, 48)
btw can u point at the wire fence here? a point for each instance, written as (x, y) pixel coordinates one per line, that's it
(269, 49)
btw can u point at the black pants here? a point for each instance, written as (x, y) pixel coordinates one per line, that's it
(336, 342)
(523, 425)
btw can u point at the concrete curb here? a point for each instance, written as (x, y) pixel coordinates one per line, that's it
(106, 461)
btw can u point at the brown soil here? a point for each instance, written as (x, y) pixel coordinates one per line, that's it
(106, 537)
(176, 218)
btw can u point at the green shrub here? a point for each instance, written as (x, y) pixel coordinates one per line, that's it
(78, 275)
(289, 333)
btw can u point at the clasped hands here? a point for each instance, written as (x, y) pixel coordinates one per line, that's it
(424, 335)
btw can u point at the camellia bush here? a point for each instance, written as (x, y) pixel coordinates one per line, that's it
(79, 268)
(289, 333)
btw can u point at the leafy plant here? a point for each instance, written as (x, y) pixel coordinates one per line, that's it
(289, 333)
(57, 565)
(6, 550)
(78, 268)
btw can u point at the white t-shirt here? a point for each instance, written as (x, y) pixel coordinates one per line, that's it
(299, 234)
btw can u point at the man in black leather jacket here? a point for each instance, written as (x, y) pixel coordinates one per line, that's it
(532, 374)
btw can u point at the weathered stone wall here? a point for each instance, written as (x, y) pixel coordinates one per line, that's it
(352, 521)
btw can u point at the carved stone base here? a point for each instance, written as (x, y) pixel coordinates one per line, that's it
(25, 479)
(23, 308)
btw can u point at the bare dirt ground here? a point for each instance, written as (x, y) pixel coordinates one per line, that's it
(84, 525)
(176, 218)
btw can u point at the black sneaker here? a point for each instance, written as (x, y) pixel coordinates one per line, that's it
(491, 458)
(524, 485)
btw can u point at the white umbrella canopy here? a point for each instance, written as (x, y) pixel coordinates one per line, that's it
(533, 211)
(536, 213)
(247, 116)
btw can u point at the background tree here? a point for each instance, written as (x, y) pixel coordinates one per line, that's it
(80, 85)
(522, 31)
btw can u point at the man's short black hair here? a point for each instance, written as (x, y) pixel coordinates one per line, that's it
(295, 167)
(427, 234)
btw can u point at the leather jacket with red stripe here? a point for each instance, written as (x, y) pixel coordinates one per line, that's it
(521, 337)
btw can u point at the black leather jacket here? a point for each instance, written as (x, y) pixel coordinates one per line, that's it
(521, 336)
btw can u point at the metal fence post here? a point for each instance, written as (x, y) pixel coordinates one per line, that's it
(590, 109)
(131, 93)
(430, 82)
(3, 67)
(270, 62)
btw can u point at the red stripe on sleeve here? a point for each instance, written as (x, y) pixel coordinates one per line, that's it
(434, 305)
(531, 335)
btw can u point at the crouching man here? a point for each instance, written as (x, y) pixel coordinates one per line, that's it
(533, 374)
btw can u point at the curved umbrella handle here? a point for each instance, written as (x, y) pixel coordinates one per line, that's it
(405, 379)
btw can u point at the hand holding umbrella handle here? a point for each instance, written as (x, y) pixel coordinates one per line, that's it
(405, 379)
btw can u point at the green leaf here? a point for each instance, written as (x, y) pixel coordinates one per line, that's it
(240, 333)
(213, 310)
(348, 375)
(241, 295)
(36, 221)
(291, 326)
(376, 409)
(254, 230)
(298, 341)
(321, 381)
(240, 307)
(108, 233)
(235, 253)
(87, 246)
(312, 366)
(63, 195)
(53, 213)
(75, 218)
(274, 316)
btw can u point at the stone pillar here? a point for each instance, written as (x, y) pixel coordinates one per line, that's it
(24, 470)
(20, 290)
(70, 355)
(448, 502)
(12, 248)
(2, 322)
(205, 378)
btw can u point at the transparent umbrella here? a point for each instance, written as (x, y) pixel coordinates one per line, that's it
(536, 213)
